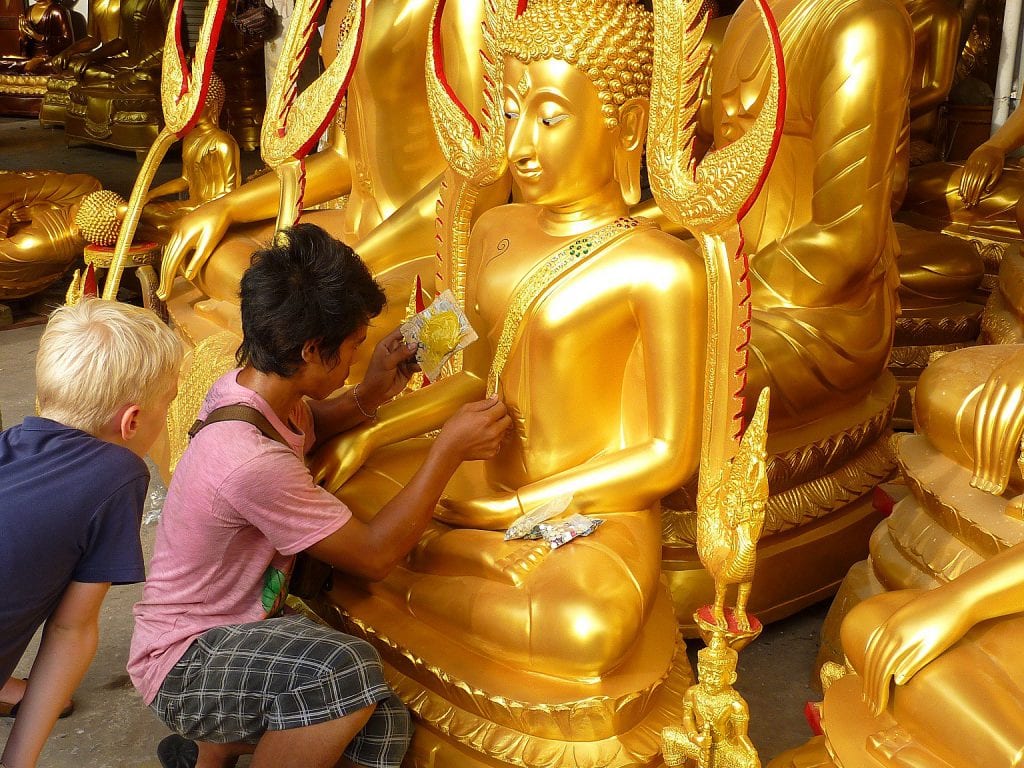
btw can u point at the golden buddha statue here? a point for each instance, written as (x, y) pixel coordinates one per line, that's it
(823, 278)
(38, 239)
(383, 161)
(952, 552)
(210, 168)
(102, 40)
(509, 649)
(936, 46)
(45, 30)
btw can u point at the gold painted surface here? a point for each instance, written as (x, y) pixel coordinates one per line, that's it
(956, 542)
(38, 239)
(386, 161)
(820, 235)
(593, 615)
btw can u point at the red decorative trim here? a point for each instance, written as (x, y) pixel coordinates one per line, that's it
(435, 42)
(780, 116)
(812, 712)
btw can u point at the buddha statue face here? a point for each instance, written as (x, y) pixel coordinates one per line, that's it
(560, 149)
(575, 93)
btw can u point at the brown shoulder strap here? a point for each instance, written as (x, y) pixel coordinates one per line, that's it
(239, 412)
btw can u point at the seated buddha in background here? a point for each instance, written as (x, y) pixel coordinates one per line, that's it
(385, 163)
(952, 553)
(820, 233)
(592, 330)
(979, 198)
(142, 27)
(45, 30)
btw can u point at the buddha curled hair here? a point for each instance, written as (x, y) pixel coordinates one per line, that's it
(610, 41)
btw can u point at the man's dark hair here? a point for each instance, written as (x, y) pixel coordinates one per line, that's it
(305, 286)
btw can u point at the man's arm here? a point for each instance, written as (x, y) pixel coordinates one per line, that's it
(69, 644)
(370, 550)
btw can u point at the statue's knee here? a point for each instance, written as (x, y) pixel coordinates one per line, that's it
(865, 618)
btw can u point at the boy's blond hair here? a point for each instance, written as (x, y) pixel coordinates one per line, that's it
(98, 356)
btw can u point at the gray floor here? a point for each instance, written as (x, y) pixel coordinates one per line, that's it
(111, 726)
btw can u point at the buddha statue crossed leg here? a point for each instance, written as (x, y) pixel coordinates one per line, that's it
(563, 289)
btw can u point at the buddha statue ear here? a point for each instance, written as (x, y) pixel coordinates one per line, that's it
(632, 130)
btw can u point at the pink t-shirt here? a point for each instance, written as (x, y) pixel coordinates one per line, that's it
(239, 508)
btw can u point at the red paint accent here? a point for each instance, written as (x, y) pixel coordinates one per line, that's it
(89, 287)
(308, 146)
(521, 8)
(780, 117)
(812, 712)
(705, 614)
(187, 71)
(882, 501)
(435, 42)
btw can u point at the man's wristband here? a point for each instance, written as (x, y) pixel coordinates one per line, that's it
(359, 405)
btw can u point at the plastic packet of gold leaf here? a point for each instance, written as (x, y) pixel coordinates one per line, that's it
(522, 527)
(563, 531)
(438, 332)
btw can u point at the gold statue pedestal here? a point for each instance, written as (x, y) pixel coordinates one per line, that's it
(21, 95)
(474, 711)
(129, 121)
(819, 515)
(143, 258)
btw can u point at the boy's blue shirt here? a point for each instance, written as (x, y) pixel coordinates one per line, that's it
(70, 510)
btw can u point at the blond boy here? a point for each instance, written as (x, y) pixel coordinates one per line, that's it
(72, 486)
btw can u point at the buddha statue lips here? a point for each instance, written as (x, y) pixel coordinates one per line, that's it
(579, 310)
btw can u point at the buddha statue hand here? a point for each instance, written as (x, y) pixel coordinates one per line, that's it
(981, 172)
(912, 636)
(28, 30)
(490, 513)
(198, 232)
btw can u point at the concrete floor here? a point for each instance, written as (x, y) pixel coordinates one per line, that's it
(111, 726)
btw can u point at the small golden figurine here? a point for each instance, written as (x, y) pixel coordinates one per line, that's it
(715, 717)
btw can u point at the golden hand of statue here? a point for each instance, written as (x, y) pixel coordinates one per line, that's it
(981, 172)
(198, 233)
(913, 636)
(493, 513)
(999, 425)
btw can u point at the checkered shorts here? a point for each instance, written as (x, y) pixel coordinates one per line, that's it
(236, 682)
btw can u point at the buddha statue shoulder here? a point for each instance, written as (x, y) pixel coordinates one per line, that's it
(592, 329)
(820, 233)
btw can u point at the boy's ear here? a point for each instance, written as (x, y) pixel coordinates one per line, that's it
(310, 351)
(129, 421)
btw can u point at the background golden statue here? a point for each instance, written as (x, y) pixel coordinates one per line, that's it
(38, 241)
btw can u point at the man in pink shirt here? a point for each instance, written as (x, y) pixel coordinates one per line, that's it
(210, 654)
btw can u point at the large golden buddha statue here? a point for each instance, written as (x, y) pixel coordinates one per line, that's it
(517, 652)
(952, 554)
(383, 161)
(823, 277)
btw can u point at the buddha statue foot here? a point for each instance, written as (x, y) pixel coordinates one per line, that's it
(818, 518)
(475, 711)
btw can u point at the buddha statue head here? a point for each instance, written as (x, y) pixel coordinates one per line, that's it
(576, 98)
(215, 98)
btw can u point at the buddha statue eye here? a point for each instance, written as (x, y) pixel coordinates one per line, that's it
(511, 115)
(550, 121)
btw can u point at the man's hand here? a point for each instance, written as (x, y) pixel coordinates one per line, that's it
(199, 232)
(476, 430)
(388, 372)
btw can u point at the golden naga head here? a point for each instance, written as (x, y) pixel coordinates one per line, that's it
(610, 41)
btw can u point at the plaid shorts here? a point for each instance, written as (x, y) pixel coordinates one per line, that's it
(236, 682)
